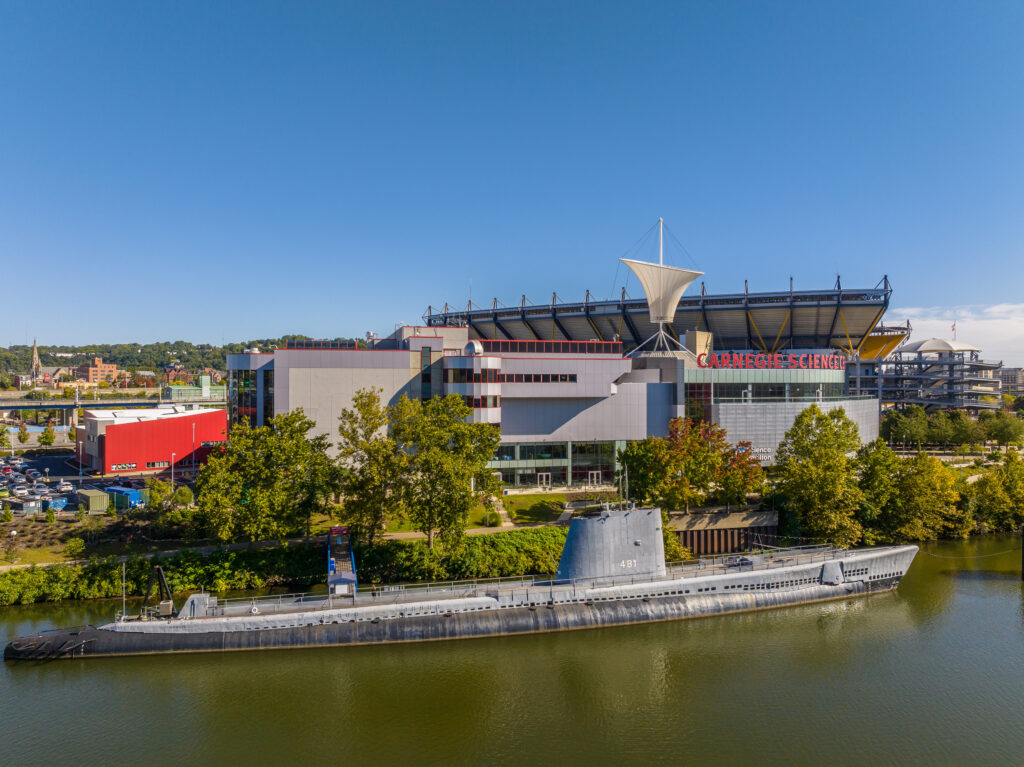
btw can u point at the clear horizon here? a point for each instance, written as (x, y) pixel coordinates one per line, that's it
(198, 173)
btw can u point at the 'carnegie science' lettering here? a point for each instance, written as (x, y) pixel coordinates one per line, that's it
(772, 361)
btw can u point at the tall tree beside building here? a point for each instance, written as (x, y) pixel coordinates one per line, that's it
(372, 467)
(693, 463)
(448, 459)
(266, 482)
(817, 476)
(5, 437)
(645, 466)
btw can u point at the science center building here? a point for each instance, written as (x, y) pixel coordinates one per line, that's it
(572, 383)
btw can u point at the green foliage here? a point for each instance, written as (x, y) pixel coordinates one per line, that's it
(182, 496)
(674, 550)
(159, 493)
(926, 505)
(138, 356)
(693, 463)
(997, 498)
(292, 566)
(6, 516)
(646, 464)
(74, 548)
(878, 467)
(373, 474)
(266, 482)
(48, 436)
(22, 433)
(817, 478)
(51, 517)
(447, 459)
(516, 552)
(1002, 427)
(5, 437)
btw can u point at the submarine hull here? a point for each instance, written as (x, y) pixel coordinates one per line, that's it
(90, 641)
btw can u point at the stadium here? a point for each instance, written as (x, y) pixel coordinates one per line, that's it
(571, 383)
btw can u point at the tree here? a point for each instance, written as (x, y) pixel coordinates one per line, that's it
(696, 455)
(998, 495)
(11, 548)
(927, 507)
(372, 467)
(447, 463)
(6, 516)
(74, 548)
(182, 496)
(817, 477)
(965, 430)
(266, 482)
(914, 425)
(741, 474)
(940, 428)
(5, 437)
(878, 467)
(1003, 428)
(48, 436)
(159, 493)
(22, 433)
(645, 465)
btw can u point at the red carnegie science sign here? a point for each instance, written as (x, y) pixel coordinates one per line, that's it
(751, 361)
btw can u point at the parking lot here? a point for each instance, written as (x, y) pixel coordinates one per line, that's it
(53, 481)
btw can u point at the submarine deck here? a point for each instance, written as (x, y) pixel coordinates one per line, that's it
(763, 560)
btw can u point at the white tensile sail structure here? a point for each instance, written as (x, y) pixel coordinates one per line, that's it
(663, 287)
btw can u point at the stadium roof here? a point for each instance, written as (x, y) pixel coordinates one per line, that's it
(840, 318)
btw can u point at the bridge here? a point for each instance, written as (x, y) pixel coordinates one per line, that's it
(100, 404)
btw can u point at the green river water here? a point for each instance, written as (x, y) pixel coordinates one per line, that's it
(932, 674)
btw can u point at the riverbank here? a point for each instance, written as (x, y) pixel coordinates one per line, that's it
(296, 566)
(917, 681)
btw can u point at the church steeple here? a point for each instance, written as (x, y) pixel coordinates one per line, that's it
(36, 370)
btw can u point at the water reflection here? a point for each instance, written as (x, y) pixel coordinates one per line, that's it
(930, 674)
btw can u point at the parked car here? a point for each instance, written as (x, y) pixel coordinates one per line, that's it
(19, 490)
(7, 470)
(64, 486)
(32, 472)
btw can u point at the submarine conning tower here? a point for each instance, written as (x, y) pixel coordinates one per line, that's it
(613, 543)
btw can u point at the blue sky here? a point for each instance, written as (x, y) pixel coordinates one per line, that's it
(211, 171)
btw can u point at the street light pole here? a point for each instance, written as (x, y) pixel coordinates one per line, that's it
(193, 451)
(172, 471)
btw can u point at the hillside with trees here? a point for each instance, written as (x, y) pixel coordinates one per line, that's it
(133, 356)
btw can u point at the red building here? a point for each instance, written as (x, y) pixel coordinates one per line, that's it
(150, 439)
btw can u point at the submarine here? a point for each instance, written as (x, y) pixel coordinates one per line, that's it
(611, 572)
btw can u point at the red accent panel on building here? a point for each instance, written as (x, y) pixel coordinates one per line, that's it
(131, 446)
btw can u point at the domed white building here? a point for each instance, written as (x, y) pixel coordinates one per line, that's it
(935, 373)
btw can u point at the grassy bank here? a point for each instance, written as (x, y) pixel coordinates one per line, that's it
(297, 567)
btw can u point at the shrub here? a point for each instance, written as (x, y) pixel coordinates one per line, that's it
(74, 548)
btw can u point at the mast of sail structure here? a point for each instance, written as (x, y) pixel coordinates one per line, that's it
(661, 241)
